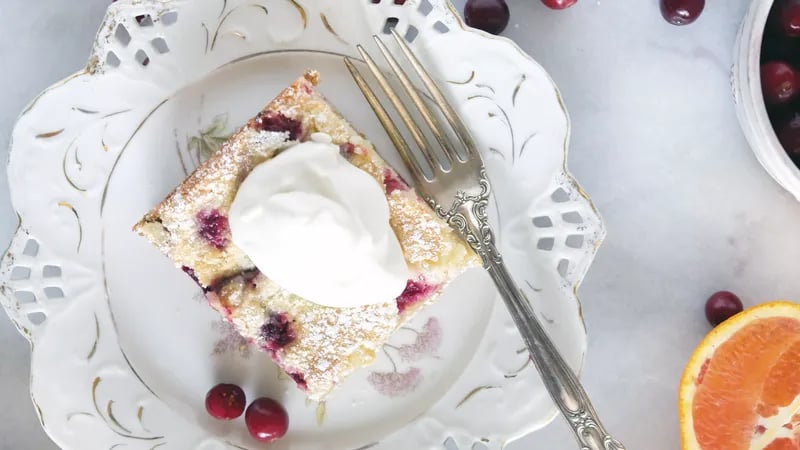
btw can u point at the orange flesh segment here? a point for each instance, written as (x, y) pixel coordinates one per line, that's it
(782, 385)
(732, 386)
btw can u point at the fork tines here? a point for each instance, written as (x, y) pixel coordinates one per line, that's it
(446, 146)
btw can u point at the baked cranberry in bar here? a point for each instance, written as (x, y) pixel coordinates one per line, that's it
(317, 346)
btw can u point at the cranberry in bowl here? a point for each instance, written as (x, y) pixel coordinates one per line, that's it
(766, 85)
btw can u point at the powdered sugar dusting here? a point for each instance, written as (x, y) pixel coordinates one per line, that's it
(264, 142)
(328, 344)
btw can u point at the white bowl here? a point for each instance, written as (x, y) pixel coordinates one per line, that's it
(750, 107)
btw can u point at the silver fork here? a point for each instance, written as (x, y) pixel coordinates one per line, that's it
(459, 193)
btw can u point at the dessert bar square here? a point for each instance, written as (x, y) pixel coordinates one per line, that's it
(317, 346)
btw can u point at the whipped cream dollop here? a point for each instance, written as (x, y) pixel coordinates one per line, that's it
(319, 227)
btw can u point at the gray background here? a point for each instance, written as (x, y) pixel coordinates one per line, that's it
(655, 142)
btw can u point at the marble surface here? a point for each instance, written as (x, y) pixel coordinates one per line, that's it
(655, 142)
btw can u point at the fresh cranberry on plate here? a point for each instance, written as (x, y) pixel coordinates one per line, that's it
(225, 401)
(490, 16)
(559, 4)
(779, 82)
(682, 12)
(721, 306)
(266, 420)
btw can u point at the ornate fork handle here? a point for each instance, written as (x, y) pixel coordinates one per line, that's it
(469, 216)
(559, 379)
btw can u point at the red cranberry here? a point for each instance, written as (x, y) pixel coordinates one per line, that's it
(300, 380)
(347, 149)
(721, 306)
(266, 420)
(213, 227)
(559, 4)
(788, 12)
(225, 401)
(779, 82)
(275, 121)
(277, 332)
(490, 16)
(682, 12)
(393, 182)
(415, 291)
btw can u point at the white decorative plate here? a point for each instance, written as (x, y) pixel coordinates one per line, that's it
(124, 348)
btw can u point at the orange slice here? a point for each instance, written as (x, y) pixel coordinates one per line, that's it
(741, 388)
